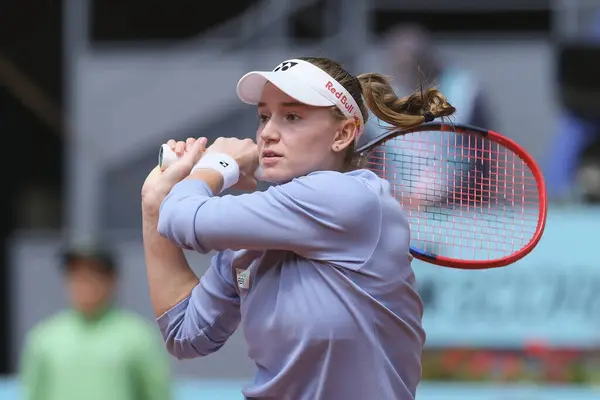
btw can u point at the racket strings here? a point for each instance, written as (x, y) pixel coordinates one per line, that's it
(466, 197)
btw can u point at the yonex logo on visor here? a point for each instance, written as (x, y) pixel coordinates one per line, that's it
(284, 66)
(340, 96)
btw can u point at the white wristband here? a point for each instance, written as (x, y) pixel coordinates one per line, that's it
(222, 163)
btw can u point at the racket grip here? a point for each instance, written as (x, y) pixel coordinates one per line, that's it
(167, 157)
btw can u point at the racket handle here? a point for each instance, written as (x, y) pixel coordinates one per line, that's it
(167, 157)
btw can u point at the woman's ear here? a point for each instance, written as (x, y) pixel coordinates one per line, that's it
(345, 135)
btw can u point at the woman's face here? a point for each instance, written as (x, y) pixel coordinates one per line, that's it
(295, 139)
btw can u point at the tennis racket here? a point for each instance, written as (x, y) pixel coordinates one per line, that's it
(474, 199)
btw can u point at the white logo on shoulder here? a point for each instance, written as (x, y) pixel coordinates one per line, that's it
(243, 278)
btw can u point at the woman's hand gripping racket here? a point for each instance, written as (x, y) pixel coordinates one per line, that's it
(474, 199)
(166, 157)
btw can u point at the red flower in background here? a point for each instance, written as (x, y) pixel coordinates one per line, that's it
(452, 359)
(511, 366)
(480, 364)
(536, 348)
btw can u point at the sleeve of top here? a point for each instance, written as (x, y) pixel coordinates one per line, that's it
(326, 216)
(202, 323)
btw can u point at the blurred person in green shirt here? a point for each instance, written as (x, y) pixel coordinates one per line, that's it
(94, 351)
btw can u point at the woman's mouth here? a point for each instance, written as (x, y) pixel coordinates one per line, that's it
(270, 158)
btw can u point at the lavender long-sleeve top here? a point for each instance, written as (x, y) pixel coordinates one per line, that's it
(318, 274)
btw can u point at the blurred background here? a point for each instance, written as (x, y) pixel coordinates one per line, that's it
(89, 89)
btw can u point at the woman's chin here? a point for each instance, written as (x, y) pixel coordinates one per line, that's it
(275, 175)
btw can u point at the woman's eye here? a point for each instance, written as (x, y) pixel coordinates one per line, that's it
(293, 117)
(263, 118)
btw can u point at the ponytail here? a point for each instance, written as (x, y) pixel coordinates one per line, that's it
(403, 113)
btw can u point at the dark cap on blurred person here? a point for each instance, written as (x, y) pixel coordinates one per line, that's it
(90, 251)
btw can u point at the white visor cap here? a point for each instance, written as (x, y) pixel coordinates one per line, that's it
(304, 82)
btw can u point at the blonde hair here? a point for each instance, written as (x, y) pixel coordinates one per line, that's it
(381, 99)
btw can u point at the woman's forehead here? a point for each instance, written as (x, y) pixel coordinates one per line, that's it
(272, 95)
(285, 101)
(273, 98)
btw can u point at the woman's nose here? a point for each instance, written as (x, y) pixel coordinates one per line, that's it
(270, 132)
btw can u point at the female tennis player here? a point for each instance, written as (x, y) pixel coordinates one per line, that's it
(317, 268)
